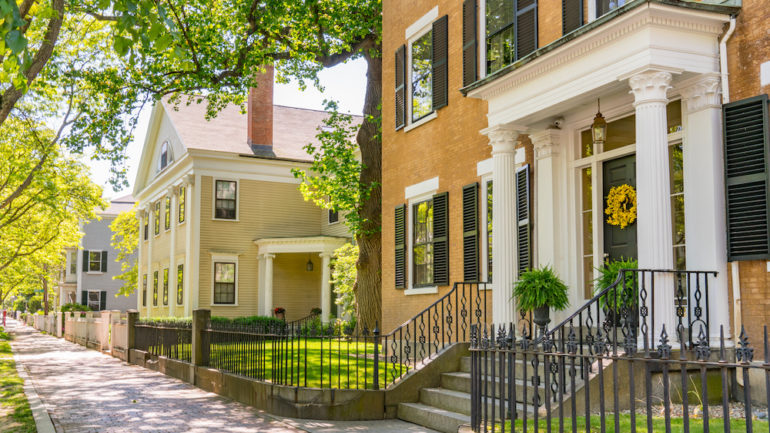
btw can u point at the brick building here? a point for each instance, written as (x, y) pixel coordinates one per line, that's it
(505, 93)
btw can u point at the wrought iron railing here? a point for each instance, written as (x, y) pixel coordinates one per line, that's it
(172, 340)
(521, 384)
(306, 321)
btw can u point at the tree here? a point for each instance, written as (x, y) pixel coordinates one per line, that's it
(174, 48)
(125, 239)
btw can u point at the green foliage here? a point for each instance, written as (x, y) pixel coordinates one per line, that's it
(538, 288)
(344, 279)
(251, 321)
(15, 414)
(183, 321)
(625, 293)
(125, 238)
(74, 306)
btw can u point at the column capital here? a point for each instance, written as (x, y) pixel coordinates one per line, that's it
(325, 255)
(189, 179)
(546, 142)
(650, 86)
(704, 91)
(269, 256)
(171, 190)
(503, 138)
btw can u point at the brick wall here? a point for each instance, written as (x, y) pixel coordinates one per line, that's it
(748, 48)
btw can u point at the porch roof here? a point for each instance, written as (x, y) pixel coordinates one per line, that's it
(307, 244)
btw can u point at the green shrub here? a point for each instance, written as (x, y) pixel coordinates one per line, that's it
(344, 279)
(538, 288)
(74, 306)
(608, 274)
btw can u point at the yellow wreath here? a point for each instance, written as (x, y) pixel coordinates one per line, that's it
(621, 205)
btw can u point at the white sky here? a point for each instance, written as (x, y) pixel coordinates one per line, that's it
(344, 83)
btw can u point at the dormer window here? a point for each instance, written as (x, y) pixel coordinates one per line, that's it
(165, 156)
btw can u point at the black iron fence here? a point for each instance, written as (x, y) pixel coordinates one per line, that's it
(172, 339)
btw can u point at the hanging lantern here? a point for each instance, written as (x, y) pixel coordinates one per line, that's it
(599, 127)
(309, 265)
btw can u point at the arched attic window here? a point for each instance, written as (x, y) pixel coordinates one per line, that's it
(166, 156)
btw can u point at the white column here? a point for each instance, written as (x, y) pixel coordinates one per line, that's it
(150, 236)
(172, 251)
(139, 267)
(654, 231)
(268, 311)
(194, 247)
(704, 195)
(505, 255)
(325, 287)
(188, 263)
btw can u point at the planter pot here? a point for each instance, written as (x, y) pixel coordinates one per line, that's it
(281, 316)
(542, 316)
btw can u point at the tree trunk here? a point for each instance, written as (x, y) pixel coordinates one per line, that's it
(368, 287)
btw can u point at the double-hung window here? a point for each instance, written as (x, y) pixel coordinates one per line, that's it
(156, 215)
(422, 76)
(94, 300)
(226, 196)
(144, 290)
(224, 283)
(155, 289)
(334, 216)
(182, 194)
(180, 284)
(167, 214)
(165, 286)
(501, 50)
(95, 261)
(422, 243)
(488, 222)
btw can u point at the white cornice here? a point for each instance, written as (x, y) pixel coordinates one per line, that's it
(311, 244)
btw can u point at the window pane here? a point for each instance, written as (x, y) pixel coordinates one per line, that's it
(500, 50)
(489, 231)
(182, 192)
(422, 250)
(167, 214)
(73, 262)
(621, 132)
(422, 82)
(226, 189)
(180, 285)
(586, 143)
(588, 276)
(224, 272)
(95, 261)
(674, 116)
(155, 288)
(165, 286)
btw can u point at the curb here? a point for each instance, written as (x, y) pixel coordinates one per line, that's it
(39, 413)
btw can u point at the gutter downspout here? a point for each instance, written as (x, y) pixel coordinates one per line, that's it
(723, 60)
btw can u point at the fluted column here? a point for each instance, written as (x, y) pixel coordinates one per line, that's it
(503, 139)
(326, 303)
(139, 267)
(150, 237)
(172, 191)
(654, 231)
(189, 272)
(268, 284)
(704, 196)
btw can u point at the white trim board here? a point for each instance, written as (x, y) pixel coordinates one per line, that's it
(420, 24)
(422, 188)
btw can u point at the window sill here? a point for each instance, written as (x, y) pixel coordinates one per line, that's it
(223, 305)
(421, 291)
(421, 122)
(95, 273)
(225, 219)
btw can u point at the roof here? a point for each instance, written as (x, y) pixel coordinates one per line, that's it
(293, 129)
(120, 205)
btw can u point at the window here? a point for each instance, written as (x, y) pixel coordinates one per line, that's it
(95, 261)
(73, 257)
(677, 205)
(500, 37)
(165, 286)
(489, 230)
(182, 193)
(144, 290)
(224, 283)
(421, 79)
(165, 156)
(422, 243)
(226, 193)
(167, 214)
(156, 216)
(146, 226)
(155, 289)
(586, 215)
(95, 300)
(334, 216)
(180, 284)
(604, 6)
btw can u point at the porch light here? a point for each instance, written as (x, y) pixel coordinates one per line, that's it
(599, 128)
(309, 265)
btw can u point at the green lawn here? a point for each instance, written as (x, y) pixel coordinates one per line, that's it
(658, 425)
(15, 415)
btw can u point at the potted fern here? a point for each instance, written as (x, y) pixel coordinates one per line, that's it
(539, 290)
(625, 295)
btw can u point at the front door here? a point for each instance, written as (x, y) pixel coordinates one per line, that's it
(618, 243)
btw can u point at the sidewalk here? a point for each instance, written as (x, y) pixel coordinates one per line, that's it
(86, 391)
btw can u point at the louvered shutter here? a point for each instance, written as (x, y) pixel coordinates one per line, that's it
(526, 27)
(523, 218)
(440, 66)
(746, 138)
(571, 15)
(470, 53)
(471, 232)
(102, 300)
(83, 297)
(441, 239)
(104, 261)
(400, 87)
(400, 231)
(85, 260)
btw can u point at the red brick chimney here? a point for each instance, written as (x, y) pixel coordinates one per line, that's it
(260, 110)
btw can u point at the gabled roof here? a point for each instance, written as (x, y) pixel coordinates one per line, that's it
(119, 205)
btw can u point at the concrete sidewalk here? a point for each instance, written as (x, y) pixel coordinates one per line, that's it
(86, 391)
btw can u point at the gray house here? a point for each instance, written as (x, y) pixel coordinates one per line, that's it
(88, 275)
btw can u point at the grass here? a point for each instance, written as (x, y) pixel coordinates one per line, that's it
(15, 414)
(716, 425)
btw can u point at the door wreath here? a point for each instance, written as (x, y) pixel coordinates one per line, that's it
(621, 206)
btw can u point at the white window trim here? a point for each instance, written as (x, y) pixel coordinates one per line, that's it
(224, 258)
(99, 272)
(484, 256)
(214, 199)
(422, 22)
(99, 295)
(420, 122)
(415, 194)
(414, 32)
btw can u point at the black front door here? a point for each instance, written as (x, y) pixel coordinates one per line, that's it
(618, 243)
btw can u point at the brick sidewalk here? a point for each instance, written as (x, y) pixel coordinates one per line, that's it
(86, 391)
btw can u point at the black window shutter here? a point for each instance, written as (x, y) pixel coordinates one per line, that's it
(470, 53)
(526, 27)
(471, 232)
(85, 260)
(104, 261)
(103, 300)
(83, 297)
(400, 246)
(523, 218)
(440, 66)
(747, 143)
(571, 15)
(400, 87)
(441, 239)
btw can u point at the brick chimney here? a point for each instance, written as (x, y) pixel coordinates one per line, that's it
(260, 110)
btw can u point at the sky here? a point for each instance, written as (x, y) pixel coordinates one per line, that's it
(344, 83)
